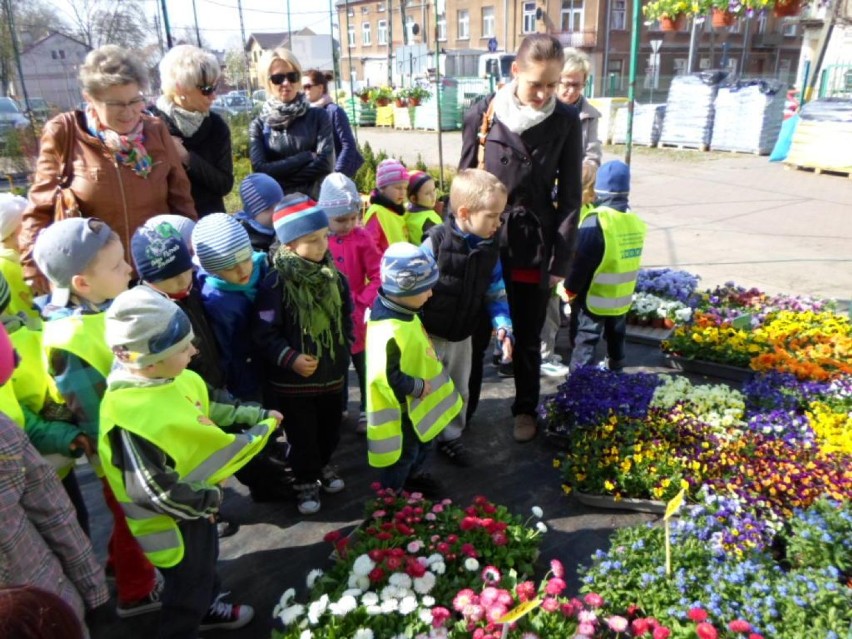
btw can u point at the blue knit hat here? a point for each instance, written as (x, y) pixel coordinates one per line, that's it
(259, 192)
(220, 242)
(297, 215)
(407, 270)
(339, 196)
(159, 252)
(613, 179)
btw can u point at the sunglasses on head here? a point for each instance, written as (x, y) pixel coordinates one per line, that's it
(278, 78)
(208, 89)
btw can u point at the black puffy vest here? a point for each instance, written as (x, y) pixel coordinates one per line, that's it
(464, 275)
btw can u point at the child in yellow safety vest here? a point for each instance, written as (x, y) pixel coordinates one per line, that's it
(603, 274)
(84, 260)
(422, 215)
(30, 400)
(410, 397)
(165, 466)
(11, 212)
(385, 220)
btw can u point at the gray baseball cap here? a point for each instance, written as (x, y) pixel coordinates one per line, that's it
(64, 249)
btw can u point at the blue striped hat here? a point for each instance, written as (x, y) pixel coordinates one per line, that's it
(259, 192)
(296, 216)
(220, 242)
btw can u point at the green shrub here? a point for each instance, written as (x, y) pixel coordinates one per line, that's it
(239, 126)
(242, 167)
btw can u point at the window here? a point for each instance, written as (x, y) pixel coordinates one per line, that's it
(382, 32)
(788, 28)
(351, 12)
(761, 23)
(487, 22)
(614, 69)
(529, 17)
(572, 15)
(464, 25)
(442, 27)
(57, 54)
(380, 7)
(409, 29)
(351, 35)
(365, 34)
(619, 15)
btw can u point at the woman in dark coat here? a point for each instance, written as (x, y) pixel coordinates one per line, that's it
(349, 160)
(189, 78)
(531, 138)
(289, 140)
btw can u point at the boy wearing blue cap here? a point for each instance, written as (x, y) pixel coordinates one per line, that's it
(259, 193)
(410, 397)
(603, 275)
(303, 329)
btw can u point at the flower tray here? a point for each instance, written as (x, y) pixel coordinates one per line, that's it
(647, 334)
(625, 503)
(711, 369)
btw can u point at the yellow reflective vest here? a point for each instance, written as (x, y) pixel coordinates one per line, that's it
(174, 417)
(415, 220)
(80, 334)
(31, 380)
(611, 290)
(429, 415)
(393, 225)
(20, 294)
(9, 404)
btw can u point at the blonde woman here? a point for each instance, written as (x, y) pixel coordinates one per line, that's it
(575, 74)
(289, 140)
(119, 164)
(190, 78)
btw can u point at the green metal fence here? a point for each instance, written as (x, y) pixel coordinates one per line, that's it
(835, 81)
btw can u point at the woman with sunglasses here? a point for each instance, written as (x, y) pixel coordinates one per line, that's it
(289, 140)
(189, 78)
(349, 160)
(110, 161)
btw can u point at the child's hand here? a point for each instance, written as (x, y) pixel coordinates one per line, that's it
(305, 365)
(274, 414)
(427, 388)
(506, 343)
(84, 443)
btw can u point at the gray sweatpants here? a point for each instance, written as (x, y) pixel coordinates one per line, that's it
(456, 358)
(552, 322)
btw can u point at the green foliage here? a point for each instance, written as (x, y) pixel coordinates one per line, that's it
(365, 178)
(242, 167)
(239, 125)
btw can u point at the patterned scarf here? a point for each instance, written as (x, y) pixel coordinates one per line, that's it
(187, 122)
(280, 115)
(312, 290)
(129, 149)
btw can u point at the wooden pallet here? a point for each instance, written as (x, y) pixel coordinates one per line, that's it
(683, 147)
(738, 152)
(818, 170)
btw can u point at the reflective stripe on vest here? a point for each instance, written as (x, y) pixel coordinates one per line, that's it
(415, 221)
(429, 415)
(393, 225)
(202, 452)
(611, 290)
(80, 334)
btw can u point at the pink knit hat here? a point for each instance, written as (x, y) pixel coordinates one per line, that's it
(390, 172)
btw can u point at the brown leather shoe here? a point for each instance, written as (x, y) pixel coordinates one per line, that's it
(524, 428)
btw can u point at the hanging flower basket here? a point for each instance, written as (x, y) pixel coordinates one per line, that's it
(787, 8)
(722, 18)
(671, 24)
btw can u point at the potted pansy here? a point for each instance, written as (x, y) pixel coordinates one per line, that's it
(725, 12)
(669, 13)
(417, 95)
(382, 95)
(400, 97)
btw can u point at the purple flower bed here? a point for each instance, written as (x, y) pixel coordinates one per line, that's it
(781, 392)
(666, 282)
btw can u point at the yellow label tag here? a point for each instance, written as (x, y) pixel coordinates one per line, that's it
(675, 503)
(519, 611)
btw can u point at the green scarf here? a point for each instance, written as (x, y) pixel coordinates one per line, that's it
(313, 291)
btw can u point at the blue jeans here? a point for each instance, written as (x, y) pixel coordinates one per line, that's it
(590, 328)
(411, 460)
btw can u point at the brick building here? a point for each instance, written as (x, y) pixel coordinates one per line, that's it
(767, 47)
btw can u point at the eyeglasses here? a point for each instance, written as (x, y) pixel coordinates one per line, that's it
(278, 78)
(307, 86)
(571, 85)
(135, 103)
(208, 89)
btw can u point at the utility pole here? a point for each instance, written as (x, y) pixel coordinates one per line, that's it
(335, 68)
(438, 98)
(169, 43)
(289, 28)
(351, 81)
(10, 16)
(634, 62)
(197, 32)
(389, 4)
(243, 41)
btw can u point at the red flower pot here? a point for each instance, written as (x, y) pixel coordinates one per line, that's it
(400, 103)
(671, 24)
(787, 8)
(413, 102)
(723, 18)
(382, 101)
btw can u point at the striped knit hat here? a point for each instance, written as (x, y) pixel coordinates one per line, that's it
(259, 192)
(220, 242)
(297, 215)
(390, 172)
(339, 196)
(416, 179)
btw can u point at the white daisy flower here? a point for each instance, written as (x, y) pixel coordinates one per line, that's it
(370, 599)
(363, 633)
(537, 512)
(407, 605)
(363, 565)
(423, 585)
(312, 577)
(290, 614)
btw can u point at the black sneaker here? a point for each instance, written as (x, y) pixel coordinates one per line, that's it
(425, 484)
(225, 616)
(330, 480)
(151, 603)
(456, 452)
